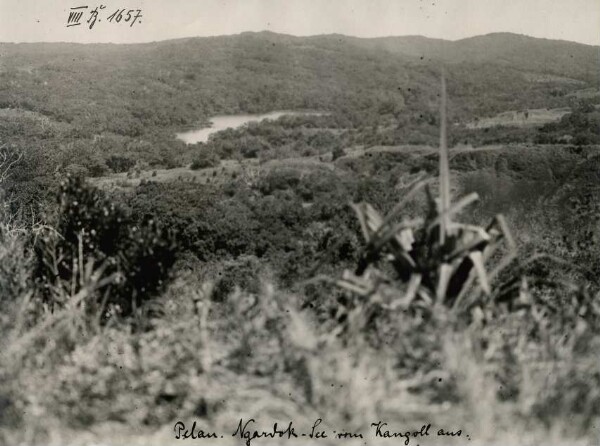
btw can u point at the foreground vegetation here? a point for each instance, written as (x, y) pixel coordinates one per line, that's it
(236, 328)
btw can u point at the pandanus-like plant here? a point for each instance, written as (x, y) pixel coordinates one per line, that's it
(437, 259)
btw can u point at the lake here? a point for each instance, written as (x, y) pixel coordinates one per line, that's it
(223, 122)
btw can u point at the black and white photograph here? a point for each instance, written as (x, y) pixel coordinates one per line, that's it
(300, 222)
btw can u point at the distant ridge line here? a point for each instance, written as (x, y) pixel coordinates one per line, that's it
(325, 35)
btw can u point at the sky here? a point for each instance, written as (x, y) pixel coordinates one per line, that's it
(46, 20)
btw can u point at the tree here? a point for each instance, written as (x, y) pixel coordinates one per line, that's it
(205, 158)
(119, 164)
(337, 153)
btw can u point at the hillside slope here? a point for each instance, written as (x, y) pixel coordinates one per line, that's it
(179, 81)
(524, 53)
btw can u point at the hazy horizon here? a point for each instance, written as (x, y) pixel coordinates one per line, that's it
(299, 36)
(575, 21)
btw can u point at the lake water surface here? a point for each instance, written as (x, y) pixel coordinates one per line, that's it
(223, 122)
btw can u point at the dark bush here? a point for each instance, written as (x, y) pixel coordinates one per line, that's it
(90, 225)
(337, 153)
(279, 180)
(119, 164)
(242, 272)
(205, 159)
(76, 170)
(97, 169)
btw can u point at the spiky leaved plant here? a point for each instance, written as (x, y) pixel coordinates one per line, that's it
(435, 259)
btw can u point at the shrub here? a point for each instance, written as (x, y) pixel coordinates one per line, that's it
(119, 164)
(96, 168)
(76, 170)
(205, 159)
(279, 180)
(90, 226)
(242, 273)
(337, 152)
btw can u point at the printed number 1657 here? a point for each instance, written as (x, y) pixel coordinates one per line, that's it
(132, 15)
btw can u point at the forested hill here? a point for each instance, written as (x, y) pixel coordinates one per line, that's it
(526, 54)
(125, 88)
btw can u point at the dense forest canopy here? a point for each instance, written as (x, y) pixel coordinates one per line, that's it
(179, 82)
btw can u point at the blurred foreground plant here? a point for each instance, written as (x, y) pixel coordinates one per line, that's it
(91, 230)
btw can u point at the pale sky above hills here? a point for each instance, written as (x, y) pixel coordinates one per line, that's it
(45, 20)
